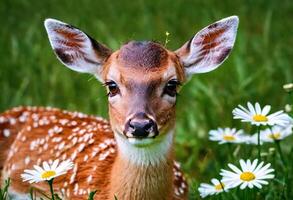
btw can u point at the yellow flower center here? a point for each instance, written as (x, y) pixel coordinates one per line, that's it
(229, 137)
(219, 186)
(260, 118)
(48, 174)
(274, 136)
(247, 176)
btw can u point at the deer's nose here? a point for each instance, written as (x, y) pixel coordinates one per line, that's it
(140, 126)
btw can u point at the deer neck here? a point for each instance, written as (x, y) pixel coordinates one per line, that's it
(143, 172)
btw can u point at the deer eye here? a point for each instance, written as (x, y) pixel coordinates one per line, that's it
(112, 88)
(171, 88)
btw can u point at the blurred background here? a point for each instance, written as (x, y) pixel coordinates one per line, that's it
(260, 63)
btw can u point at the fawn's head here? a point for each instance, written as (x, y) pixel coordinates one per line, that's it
(142, 77)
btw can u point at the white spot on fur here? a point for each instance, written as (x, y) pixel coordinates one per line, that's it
(81, 147)
(27, 160)
(6, 132)
(29, 128)
(89, 179)
(86, 157)
(2, 119)
(23, 139)
(12, 121)
(65, 184)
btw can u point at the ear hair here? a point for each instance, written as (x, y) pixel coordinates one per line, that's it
(75, 49)
(209, 48)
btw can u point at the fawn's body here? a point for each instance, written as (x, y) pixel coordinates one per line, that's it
(35, 134)
(133, 158)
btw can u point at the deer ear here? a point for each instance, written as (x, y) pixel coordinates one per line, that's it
(75, 49)
(208, 49)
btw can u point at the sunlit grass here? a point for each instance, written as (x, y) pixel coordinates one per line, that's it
(259, 65)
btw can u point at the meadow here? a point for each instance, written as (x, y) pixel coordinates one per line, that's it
(258, 67)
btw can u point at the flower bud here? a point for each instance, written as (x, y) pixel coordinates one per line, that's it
(288, 108)
(288, 87)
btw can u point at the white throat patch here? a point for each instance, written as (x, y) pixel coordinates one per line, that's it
(150, 154)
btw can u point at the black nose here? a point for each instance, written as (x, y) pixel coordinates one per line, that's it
(141, 126)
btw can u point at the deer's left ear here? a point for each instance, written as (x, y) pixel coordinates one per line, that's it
(75, 49)
(208, 49)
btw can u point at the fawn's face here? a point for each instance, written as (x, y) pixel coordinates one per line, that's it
(142, 78)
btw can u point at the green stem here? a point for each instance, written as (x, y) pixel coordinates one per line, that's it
(290, 103)
(285, 179)
(230, 151)
(51, 188)
(277, 142)
(258, 141)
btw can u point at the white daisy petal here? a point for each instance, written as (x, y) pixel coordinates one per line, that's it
(243, 185)
(55, 164)
(250, 185)
(257, 116)
(244, 109)
(227, 173)
(266, 110)
(242, 114)
(215, 181)
(243, 165)
(47, 172)
(38, 168)
(210, 189)
(251, 174)
(259, 167)
(46, 166)
(269, 176)
(251, 108)
(257, 108)
(254, 163)
(234, 168)
(256, 184)
(276, 113)
(262, 182)
(263, 168)
(261, 173)
(227, 135)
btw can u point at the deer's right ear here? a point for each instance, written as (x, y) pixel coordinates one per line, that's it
(75, 49)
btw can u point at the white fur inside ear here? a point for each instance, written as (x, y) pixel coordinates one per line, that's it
(211, 46)
(72, 47)
(152, 154)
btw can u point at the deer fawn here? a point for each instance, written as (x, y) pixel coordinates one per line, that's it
(132, 155)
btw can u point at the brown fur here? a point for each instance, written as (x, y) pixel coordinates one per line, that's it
(144, 54)
(138, 69)
(100, 170)
(142, 182)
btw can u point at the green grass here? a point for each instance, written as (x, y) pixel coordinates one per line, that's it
(4, 190)
(259, 65)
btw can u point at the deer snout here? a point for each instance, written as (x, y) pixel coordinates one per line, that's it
(141, 126)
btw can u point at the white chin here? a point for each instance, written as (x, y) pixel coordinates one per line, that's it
(141, 142)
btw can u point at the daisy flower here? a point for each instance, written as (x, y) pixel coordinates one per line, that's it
(47, 172)
(226, 135)
(258, 116)
(275, 133)
(271, 134)
(250, 175)
(216, 187)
